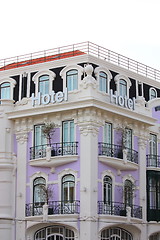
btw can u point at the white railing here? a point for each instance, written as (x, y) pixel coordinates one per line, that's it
(79, 49)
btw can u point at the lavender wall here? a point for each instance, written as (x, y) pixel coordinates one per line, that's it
(53, 177)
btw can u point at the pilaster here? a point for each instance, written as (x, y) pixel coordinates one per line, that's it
(89, 125)
(22, 138)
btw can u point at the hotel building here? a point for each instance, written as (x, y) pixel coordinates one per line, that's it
(79, 146)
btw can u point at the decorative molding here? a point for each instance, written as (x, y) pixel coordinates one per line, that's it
(89, 81)
(86, 129)
(22, 137)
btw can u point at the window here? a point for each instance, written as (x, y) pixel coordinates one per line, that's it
(103, 82)
(39, 195)
(107, 190)
(123, 85)
(68, 188)
(54, 233)
(153, 159)
(115, 234)
(108, 133)
(152, 93)
(5, 91)
(103, 77)
(72, 79)
(43, 86)
(128, 193)
(68, 131)
(127, 138)
(122, 88)
(153, 196)
(40, 142)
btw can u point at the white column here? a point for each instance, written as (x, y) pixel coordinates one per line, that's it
(6, 175)
(21, 184)
(142, 175)
(88, 181)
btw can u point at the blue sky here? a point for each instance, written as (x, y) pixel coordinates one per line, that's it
(128, 27)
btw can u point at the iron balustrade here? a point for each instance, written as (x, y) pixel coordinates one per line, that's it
(118, 209)
(54, 207)
(132, 155)
(153, 161)
(57, 149)
(111, 150)
(79, 49)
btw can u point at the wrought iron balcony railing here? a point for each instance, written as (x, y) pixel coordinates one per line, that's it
(118, 209)
(153, 161)
(54, 207)
(111, 150)
(57, 149)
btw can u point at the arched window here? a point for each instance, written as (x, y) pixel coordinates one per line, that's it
(122, 88)
(5, 91)
(103, 82)
(107, 190)
(72, 79)
(54, 233)
(123, 85)
(43, 84)
(115, 234)
(152, 93)
(39, 192)
(68, 188)
(128, 193)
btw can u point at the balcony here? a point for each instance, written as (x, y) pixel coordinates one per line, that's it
(153, 161)
(54, 207)
(119, 209)
(55, 155)
(117, 157)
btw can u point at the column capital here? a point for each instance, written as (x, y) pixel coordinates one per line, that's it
(142, 142)
(89, 129)
(22, 137)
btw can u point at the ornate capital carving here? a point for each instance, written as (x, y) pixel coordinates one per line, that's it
(21, 137)
(142, 142)
(87, 129)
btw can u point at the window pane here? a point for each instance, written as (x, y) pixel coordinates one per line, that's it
(153, 144)
(108, 133)
(122, 88)
(44, 84)
(72, 80)
(128, 138)
(103, 82)
(5, 91)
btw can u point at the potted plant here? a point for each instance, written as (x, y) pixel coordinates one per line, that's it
(48, 132)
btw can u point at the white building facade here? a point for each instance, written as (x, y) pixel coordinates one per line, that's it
(97, 174)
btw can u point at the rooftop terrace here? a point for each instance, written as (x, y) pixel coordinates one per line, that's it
(80, 49)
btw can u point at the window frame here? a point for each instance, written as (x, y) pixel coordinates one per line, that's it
(42, 84)
(109, 77)
(68, 68)
(106, 131)
(107, 190)
(12, 83)
(151, 97)
(72, 77)
(39, 74)
(117, 80)
(69, 183)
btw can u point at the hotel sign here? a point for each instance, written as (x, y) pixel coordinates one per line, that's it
(122, 101)
(49, 98)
